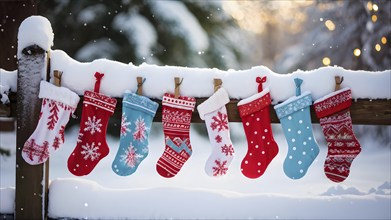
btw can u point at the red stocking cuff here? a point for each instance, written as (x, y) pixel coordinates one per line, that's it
(333, 102)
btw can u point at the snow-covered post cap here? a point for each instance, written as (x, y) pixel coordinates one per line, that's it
(35, 30)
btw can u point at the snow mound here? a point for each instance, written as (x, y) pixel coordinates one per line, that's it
(384, 189)
(87, 199)
(340, 190)
(7, 196)
(35, 30)
(198, 82)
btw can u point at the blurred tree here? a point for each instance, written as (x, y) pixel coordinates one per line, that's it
(352, 34)
(182, 33)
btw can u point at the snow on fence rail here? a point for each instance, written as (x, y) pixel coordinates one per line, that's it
(33, 51)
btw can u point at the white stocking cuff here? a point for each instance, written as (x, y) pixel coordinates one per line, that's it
(213, 103)
(60, 94)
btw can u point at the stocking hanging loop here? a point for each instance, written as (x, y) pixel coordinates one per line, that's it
(260, 80)
(98, 77)
(298, 83)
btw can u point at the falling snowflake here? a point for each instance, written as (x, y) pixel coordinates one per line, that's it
(227, 150)
(218, 139)
(93, 125)
(220, 168)
(90, 151)
(131, 158)
(124, 125)
(139, 133)
(220, 122)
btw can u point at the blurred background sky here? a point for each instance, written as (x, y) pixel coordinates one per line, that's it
(282, 35)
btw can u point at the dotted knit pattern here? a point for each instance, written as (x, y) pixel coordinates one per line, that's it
(261, 145)
(297, 126)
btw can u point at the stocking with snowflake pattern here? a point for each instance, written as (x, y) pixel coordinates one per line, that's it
(91, 144)
(343, 146)
(295, 118)
(214, 113)
(176, 118)
(57, 106)
(137, 114)
(262, 148)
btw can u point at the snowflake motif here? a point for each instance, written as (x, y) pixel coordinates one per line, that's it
(139, 133)
(220, 122)
(227, 150)
(220, 168)
(90, 151)
(80, 137)
(93, 125)
(124, 125)
(218, 139)
(131, 158)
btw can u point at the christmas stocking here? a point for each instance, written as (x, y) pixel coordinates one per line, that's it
(176, 118)
(262, 148)
(137, 114)
(214, 113)
(91, 145)
(57, 106)
(343, 147)
(295, 118)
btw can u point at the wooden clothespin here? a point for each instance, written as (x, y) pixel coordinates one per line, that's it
(57, 77)
(338, 82)
(217, 84)
(178, 82)
(140, 82)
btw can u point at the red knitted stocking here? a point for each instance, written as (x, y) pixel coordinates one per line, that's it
(176, 127)
(343, 147)
(91, 145)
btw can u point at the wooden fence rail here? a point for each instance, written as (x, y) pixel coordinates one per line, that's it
(363, 111)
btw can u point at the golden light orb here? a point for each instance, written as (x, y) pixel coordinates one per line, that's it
(326, 61)
(370, 6)
(374, 18)
(377, 47)
(383, 40)
(375, 7)
(357, 52)
(330, 25)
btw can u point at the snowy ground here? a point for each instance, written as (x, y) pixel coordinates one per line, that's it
(193, 194)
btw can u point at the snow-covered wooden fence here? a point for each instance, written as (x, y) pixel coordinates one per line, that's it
(371, 106)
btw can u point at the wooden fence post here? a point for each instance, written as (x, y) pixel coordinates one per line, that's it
(31, 181)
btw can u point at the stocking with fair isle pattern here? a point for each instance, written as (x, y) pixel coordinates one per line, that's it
(334, 117)
(176, 118)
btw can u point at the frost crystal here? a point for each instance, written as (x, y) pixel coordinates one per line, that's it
(93, 125)
(220, 122)
(139, 133)
(220, 168)
(124, 125)
(90, 151)
(227, 150)
(131, 158)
